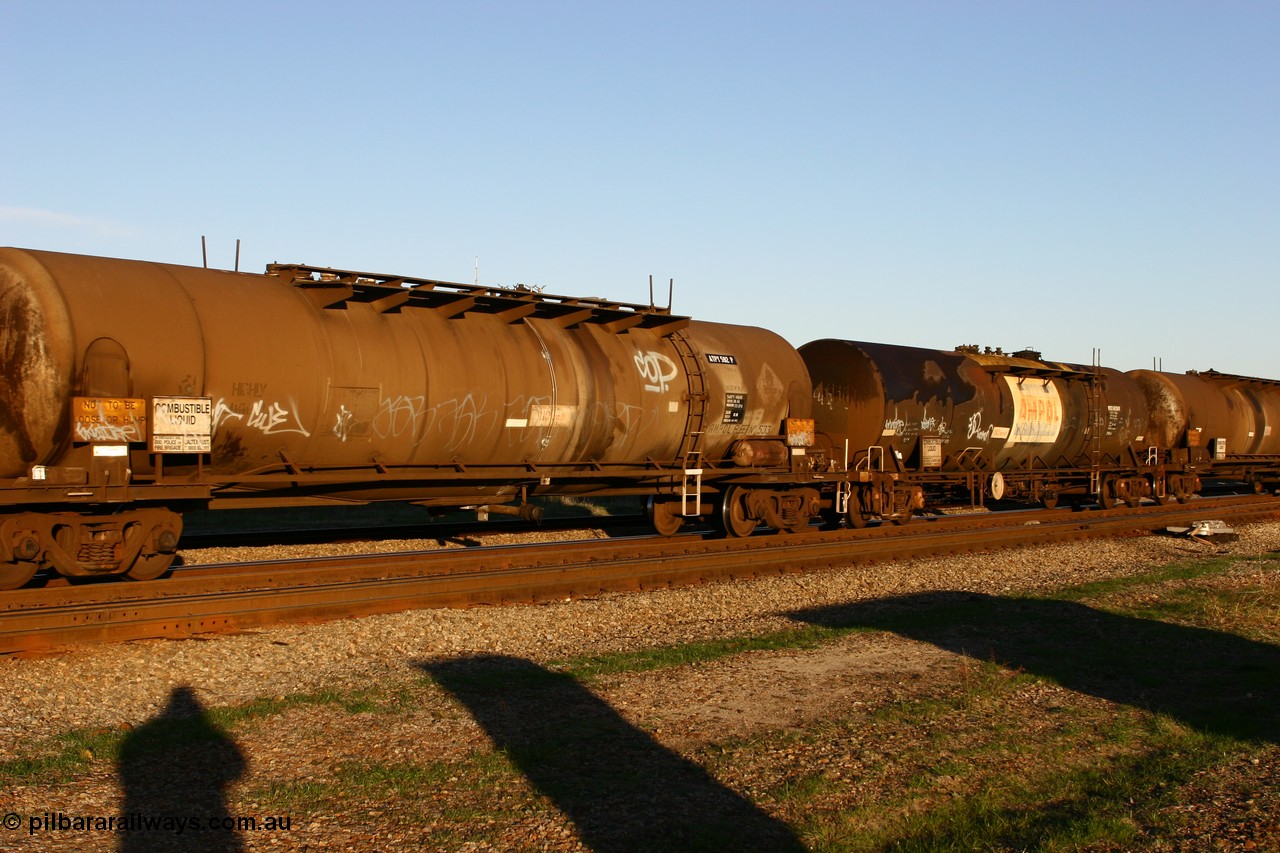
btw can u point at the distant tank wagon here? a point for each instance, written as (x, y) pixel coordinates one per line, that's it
(1223, 413)
(1013, 425)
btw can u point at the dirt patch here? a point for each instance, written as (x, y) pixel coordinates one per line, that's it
(761, 691)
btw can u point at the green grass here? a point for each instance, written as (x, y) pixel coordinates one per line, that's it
(1063, 810)
(59, 758)
(703, 651)
(1183, 570)
(1052, 804)
(406, 792)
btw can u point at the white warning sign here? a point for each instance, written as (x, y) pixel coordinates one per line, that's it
(181, 424)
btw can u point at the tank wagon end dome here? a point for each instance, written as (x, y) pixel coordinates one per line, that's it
(36, 361)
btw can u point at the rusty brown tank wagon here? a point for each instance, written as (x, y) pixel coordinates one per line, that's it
(1230, 423)
(133, 390)
(1015, 425)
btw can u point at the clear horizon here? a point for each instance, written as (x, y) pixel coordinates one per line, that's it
(1061, 176)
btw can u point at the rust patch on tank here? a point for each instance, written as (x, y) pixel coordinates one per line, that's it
(1167, 412)
(25, 364)
(933, 373)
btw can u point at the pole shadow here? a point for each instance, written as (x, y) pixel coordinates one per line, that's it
(623, 790)
(1212, 681)
(174, 770)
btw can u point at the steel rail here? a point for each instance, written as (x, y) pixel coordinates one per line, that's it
(340, 587)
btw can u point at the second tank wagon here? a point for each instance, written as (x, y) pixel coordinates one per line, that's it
(1015, 425)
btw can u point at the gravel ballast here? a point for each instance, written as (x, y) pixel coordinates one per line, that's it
(125, 685)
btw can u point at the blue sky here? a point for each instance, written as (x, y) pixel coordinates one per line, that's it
(1062, 175)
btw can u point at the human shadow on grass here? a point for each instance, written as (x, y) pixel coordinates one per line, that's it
(1212, 681)
(622, 789)
(174, 770)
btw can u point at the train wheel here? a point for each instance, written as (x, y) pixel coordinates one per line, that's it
(16, 573)
(150, 568)
(1106, 493)
(1049, 499)
(663, 517)
(732, 519)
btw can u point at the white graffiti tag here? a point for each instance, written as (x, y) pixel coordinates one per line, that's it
(345, 419)
(221, 412)
(398, 415)
(656, 369)
(274, 418)
(460, 421)
(270, 418)
(110, 433)
(975, 427)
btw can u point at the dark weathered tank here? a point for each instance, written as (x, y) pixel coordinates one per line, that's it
(1011, 410)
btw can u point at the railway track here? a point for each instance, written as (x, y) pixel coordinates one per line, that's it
(245, 596)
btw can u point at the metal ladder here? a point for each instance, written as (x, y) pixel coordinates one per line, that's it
(1093, 394)
(690, 452)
